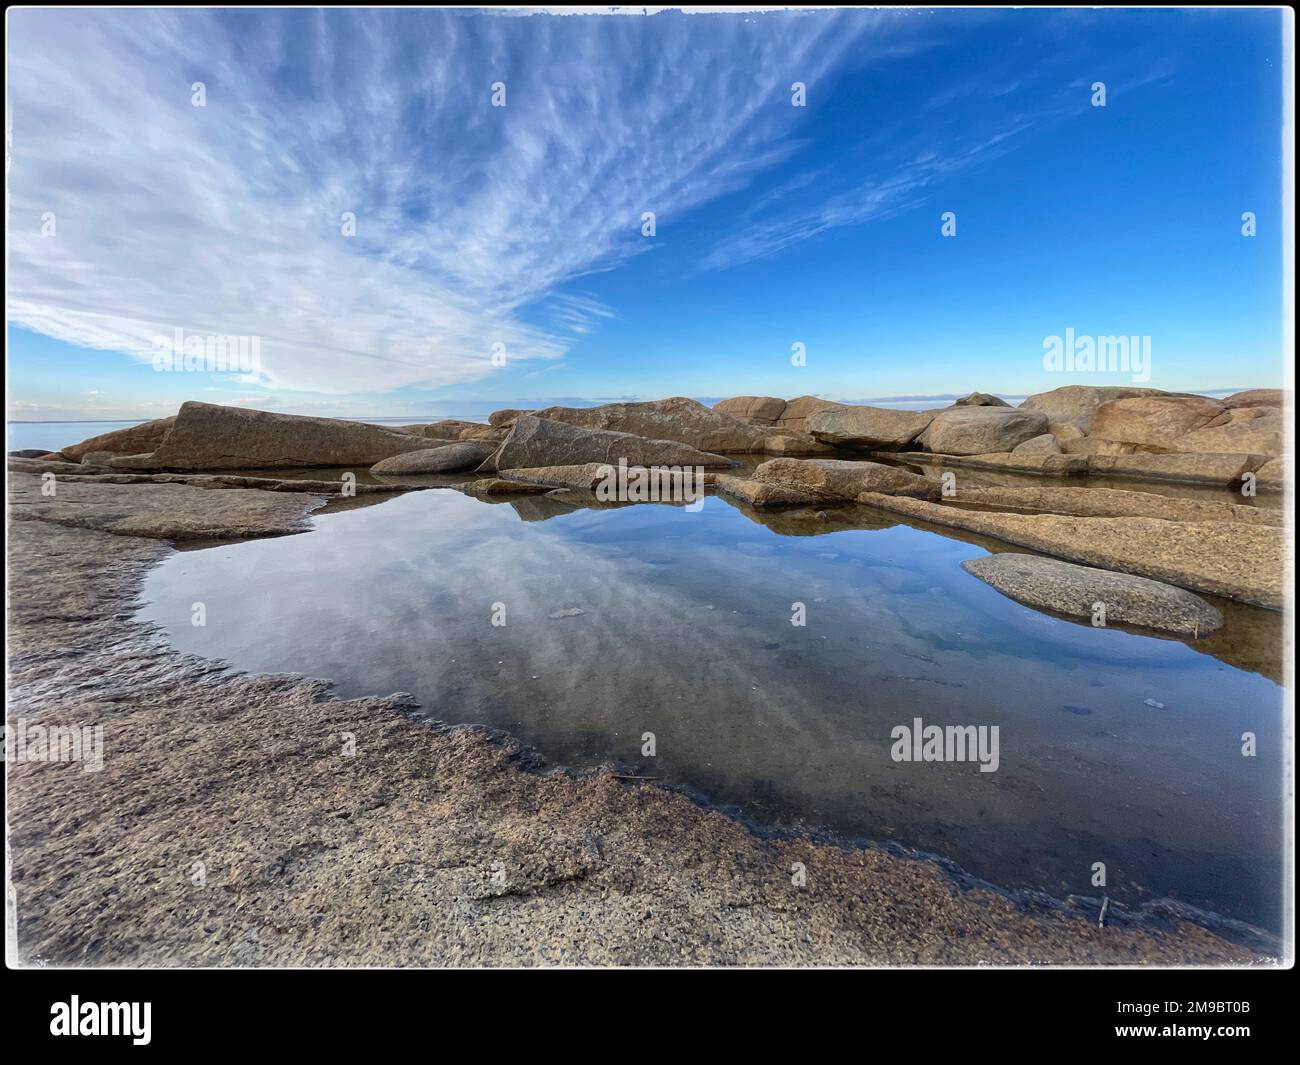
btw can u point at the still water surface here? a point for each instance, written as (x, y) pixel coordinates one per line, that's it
(652, 619)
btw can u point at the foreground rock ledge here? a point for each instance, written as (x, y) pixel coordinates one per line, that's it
(386, 858)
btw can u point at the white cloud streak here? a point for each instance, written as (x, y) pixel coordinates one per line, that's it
(226, 218)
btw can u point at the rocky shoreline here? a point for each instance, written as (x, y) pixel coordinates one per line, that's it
(228, 827)
(429, 846)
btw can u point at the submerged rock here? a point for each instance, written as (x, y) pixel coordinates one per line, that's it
(844, 479)
(874, 427)
(209, 437)
(537, 441)
(981, 430)
(450, 458)
(1077, 591)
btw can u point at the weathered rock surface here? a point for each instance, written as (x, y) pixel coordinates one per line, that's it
(795, 416)
(1037, 445)
(1066, 433)
(1073, 590)
(980, 399)
(782, 442)
(584, 476)
(679, 419)
(450, 458)
(161, 511)
(874, 427)
(1156, 421)
(839, 479)
(387, 859)
(753, 410)
(1115, 503)
(538, 441)
(1196, 469)
(1271, 476)
(497, 486)
(758, 493)
(1254, 397)
(1078, 404)
(48, 465)
(1242, 430)
(1228, 558)
(504, 419)
(494, 434)
(980, 430)
(447, 429)
(208, 437)
(1039, 465)
(129, 441)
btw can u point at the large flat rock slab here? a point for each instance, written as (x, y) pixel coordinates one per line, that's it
(206, 436)
(1078, 591)
(167, 511)
(1209, 468)
(1228, 558)
(1117, 503)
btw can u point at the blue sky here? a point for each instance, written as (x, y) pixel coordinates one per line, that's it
(519, 228)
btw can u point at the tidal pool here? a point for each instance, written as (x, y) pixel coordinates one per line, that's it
(1114, 747)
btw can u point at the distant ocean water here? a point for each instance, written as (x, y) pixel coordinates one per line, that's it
(51, 436)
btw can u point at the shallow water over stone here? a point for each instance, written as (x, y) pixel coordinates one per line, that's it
(1114, 747)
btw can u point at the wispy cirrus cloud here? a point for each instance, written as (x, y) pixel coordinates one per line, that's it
(469, 218)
